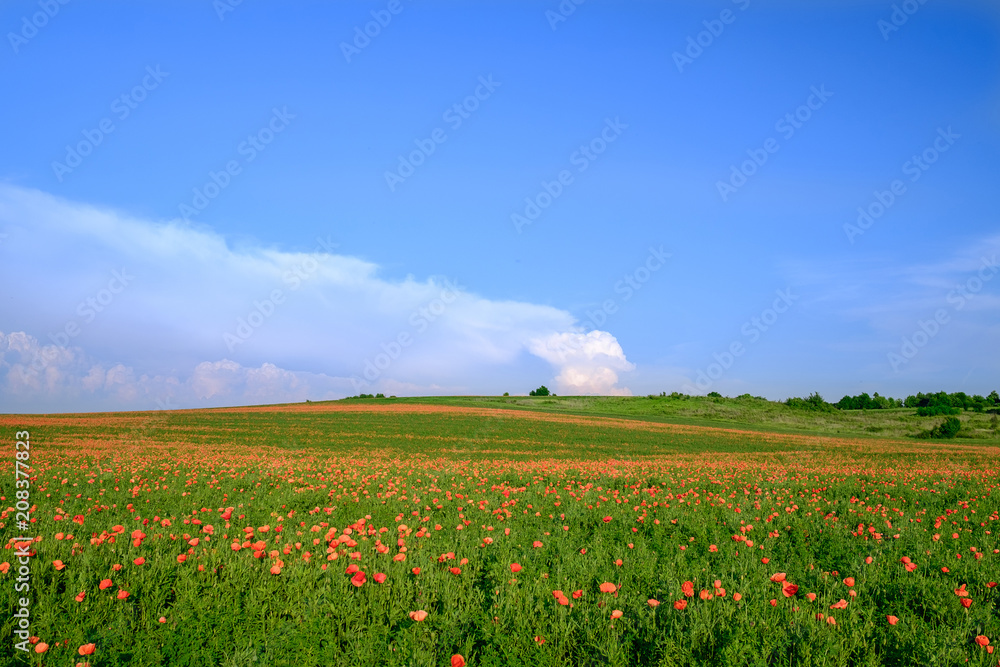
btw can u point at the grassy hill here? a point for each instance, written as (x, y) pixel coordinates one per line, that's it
(749, 413)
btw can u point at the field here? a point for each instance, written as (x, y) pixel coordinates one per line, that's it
(409, 532)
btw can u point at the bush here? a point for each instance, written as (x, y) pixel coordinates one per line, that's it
(935, 410)
(949, 428)
(541, 391)
(813, 402)
(946, 429)
(714, 394)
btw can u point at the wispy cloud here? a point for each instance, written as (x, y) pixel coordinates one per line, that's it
(104, 309)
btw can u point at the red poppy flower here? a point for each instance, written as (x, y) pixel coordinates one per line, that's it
(849, 581)
(842, 604)
(105, 584)
(515, 567)
(778, 577)
(892, 619)
(359, 579)
(379, 577)
(966, 602)
(688, 589)
(577, 594)
(457, 660)
(608, 587)
(679, 605)
(789, 589)
(983, 640)
(418, 616)
(87, 649)
(122, 595)
(616, 614)
(139, 561)
(653, 603)
(415, 570)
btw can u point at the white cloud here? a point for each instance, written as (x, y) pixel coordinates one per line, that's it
(127, 312)
(586, 362)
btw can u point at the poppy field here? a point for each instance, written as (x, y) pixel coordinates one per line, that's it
(394, 533)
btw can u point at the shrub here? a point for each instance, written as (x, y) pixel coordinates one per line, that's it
(949, 428)
(541, 391)
(935, 410)
(813, 402)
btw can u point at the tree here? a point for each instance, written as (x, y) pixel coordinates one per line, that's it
(541, 391)
(994, 396)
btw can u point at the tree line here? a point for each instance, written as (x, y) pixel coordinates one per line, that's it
(940, 403)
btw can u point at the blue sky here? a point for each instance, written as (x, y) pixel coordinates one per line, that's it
(485, 197)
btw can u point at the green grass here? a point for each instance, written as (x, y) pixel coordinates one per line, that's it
(748, 413)
(675, 495)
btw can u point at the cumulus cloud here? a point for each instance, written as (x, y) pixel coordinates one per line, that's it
(586, 361)
(105, 309)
